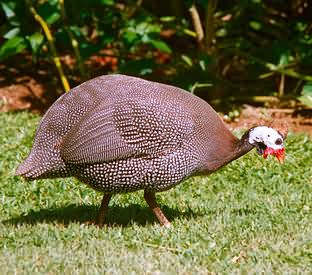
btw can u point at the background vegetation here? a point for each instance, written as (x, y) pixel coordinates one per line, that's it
(229, 49)
(253, 216)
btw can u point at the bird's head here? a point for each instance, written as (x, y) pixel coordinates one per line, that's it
(268, 141)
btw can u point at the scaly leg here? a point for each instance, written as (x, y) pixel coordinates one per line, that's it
(102, 211)
(151, 201)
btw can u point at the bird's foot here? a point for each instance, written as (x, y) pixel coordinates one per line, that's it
(167, 225)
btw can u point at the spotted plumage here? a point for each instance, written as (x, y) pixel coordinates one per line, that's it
(121, 134)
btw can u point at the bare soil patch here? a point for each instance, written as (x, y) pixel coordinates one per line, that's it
(294, 120)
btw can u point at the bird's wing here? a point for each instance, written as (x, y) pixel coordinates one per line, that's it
(127, 128)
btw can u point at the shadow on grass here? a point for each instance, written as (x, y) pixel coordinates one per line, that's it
(117, 215)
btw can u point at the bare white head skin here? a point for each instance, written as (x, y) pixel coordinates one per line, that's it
(268, 141)
(267, 136)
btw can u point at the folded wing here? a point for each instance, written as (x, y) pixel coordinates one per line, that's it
(126, 128)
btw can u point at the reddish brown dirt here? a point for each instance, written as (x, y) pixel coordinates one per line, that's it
(295, 120)
(22, 88)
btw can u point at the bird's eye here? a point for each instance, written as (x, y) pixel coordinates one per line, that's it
(268, 135)
(278, 141)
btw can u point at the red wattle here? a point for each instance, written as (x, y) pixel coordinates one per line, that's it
(270, 151)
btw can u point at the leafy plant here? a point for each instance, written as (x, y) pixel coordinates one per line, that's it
(306, 95)
(187, 42)
(144, 31)
(16, 30)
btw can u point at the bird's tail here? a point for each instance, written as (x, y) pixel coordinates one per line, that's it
(41, 166)
(30, 169)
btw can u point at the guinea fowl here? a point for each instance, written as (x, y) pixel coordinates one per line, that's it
(118, 134)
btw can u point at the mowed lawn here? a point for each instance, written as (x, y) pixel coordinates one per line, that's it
(252, 216)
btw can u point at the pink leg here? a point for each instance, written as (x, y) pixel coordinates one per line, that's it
(151, 201)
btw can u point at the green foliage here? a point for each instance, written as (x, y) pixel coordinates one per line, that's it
(15, 29)
(268, 38)
(12, 46)
(50, 11)
(252, 217)
(108, 22)
(137, 32)
(306, 97)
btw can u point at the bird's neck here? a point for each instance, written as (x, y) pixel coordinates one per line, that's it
(241, 147)
(226, 153)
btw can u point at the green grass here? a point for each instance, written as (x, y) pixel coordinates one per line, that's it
(252, 216)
